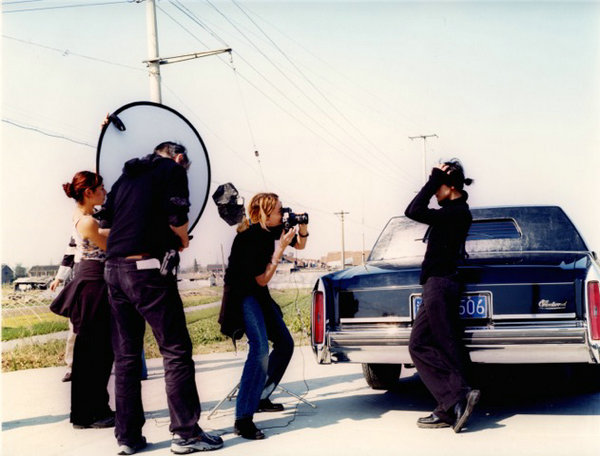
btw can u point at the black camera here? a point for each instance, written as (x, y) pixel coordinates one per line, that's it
(289, 219)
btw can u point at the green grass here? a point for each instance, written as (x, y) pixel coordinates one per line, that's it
(202, 325)
(19, 326)
(200, 300)
(35, 329)
(34, 356)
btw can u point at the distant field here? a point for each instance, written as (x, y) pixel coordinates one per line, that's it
(202, 325)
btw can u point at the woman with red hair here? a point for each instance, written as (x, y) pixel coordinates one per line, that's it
(85, 301)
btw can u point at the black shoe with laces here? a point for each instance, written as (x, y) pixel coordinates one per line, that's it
(103, 423)
(265, 405)
(246, 428)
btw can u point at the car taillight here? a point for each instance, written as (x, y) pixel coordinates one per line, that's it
(594, 309)
(318, 317)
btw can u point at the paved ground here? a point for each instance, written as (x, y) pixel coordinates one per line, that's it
(533, 412)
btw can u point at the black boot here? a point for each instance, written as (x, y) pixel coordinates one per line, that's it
(247, 429)
(265, 405)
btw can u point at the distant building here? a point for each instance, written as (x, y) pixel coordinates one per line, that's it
(43, 271)
(7, 274)
(353, 258)
(214, 267)
(31, 283)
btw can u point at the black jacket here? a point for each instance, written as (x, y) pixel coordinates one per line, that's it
(449, 227)
(251, 252)
(84, 300)
(151, 194)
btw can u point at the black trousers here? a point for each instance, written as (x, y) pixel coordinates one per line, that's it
(436, 347)
(92, 364)
(92, 359)
(138, 296)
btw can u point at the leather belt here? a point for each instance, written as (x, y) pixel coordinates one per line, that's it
(139, 256)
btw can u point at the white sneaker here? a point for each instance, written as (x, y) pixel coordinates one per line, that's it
(202, 442)
(132, 449)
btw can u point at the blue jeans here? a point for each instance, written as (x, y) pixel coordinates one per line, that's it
(136, 297)
(262, 372)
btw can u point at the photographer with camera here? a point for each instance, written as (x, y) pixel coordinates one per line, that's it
(248, 307)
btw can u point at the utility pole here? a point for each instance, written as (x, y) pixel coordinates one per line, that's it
(341, 214)
(222, 261)
(154, 61)
(424, 138)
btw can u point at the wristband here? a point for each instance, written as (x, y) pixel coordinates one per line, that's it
(303, 235)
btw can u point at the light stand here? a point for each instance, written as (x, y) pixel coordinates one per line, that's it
(233, 393)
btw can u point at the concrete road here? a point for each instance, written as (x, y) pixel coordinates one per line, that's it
(536, 411)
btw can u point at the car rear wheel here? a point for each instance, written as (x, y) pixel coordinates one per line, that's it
(382, 376)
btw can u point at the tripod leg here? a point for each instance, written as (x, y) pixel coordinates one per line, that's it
(287, 391)
(230, 396)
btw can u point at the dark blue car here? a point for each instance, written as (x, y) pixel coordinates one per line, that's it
(532, 295)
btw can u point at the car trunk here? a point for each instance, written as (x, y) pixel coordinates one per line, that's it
(510, 287)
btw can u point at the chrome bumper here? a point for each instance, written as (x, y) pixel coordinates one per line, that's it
(527, 344)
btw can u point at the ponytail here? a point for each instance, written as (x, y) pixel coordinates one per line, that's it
(80, 183)
(243, 225)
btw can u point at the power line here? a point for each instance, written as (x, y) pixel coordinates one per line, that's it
(371, 95)
(319, 91)
(195, 19)
(44, 8)
(206, 126)
(67, 52)
(277, 67)
(285, 96)
(47, 133)
(20, 2)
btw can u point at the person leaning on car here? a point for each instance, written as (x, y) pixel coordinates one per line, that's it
(435, 342)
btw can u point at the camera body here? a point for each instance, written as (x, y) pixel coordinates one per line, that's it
(289, 219)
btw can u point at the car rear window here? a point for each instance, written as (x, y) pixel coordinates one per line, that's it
(502, 229)
(493, 229)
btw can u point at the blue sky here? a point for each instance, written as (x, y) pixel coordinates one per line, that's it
(331, 92)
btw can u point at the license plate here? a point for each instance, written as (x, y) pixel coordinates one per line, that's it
(471, 305)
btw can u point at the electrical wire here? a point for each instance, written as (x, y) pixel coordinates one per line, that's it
(44, 8)
(184, 9)
(245, 109)
(319, 91)
(294, 84)
(366, 164)
(341, 75)
(206, 126)
(47, 133)
(20, 2)
(409, 178)
(363, 162)
(66, 53)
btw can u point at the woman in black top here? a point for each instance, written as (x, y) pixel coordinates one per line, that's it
(435, 342)
(248, 307)
(85, 301)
